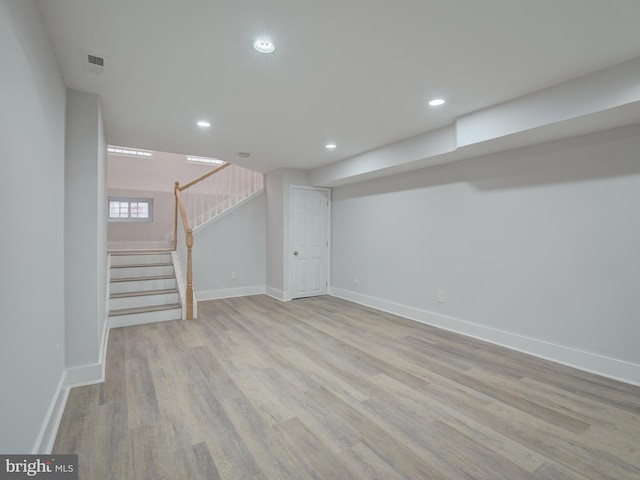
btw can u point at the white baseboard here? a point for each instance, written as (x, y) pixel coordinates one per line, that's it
(49, 431)
(71, 377)
(591, 362)
(277, 294)
(230, 292)
(84, 375)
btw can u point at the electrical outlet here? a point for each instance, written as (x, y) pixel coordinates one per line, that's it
(440, 296)
(234, 276)
(356, 280)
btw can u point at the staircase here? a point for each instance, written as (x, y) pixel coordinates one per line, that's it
(143, 288)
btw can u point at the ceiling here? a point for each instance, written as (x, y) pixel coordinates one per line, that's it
(358, 73)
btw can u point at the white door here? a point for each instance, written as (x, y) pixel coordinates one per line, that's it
(310, 241)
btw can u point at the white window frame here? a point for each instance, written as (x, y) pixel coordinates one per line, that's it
(204, 160)
(129, 200)
(129, 152)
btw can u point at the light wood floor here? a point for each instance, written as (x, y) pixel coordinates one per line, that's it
(322, 388)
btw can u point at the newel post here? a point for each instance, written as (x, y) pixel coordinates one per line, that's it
(189, 276)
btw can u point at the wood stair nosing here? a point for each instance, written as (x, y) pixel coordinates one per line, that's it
(139, 252)
(144, 293)
(143, 265)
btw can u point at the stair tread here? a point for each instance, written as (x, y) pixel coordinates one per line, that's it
(154, 308)
(140, 265)
(144, 293)
(139, 252)
(137, 279)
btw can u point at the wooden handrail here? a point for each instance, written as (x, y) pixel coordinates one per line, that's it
(183, 212)
(180, 208)
(189, 238)
(206, 175)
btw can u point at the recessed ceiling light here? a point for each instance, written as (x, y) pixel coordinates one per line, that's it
(436, 102)
(330, 146)
(203, 123)
(264, 45)
(243, 154)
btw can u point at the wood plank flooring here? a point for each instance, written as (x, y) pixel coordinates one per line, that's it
(321, 388)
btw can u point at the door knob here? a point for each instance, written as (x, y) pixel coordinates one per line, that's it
(295, 252)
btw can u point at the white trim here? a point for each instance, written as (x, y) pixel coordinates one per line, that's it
(231, 292)
(196, 160)
(129, 151)
(85, 375)
(158, 245)
(195, 306)
(108, 288)
(104, 343)
(71, 377)
(49, 430)
(587, 361)
(291, 265)
(277, 294)
(94, 372)
(182, 288)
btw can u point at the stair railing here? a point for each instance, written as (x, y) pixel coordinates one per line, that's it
(187, 234)
(204, 198)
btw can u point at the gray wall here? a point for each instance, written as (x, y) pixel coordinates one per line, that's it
(32, 122)
(278, 189)
(85, 220)
(536, 248)
(274, 233)
(233, 243)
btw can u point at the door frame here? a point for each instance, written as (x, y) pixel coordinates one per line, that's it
(289, 254)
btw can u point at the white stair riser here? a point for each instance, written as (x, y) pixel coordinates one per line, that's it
(143, 285)
(146, 317)
(140, 259)
(143, 301)
(150, 271)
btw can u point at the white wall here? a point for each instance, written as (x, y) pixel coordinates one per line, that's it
(85, 218)
(32, 116)
(535, 248)
(152, 174)
(233, 243)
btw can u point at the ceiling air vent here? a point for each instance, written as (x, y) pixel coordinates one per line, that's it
(94, 63)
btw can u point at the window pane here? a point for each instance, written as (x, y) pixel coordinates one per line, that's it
(134, 209)
(118, 209)
(143, 210)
